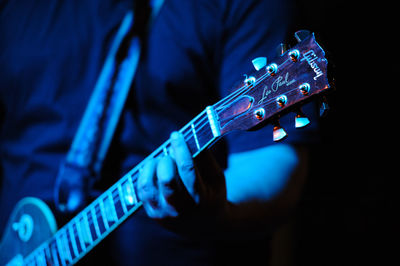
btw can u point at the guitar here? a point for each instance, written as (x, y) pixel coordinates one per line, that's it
(297, 76)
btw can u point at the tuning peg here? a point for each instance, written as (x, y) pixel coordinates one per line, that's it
(278, 132)
(301, 35)
(281, 49)
(259, 62)
(249, 80)
(323, 107)
(301, 120)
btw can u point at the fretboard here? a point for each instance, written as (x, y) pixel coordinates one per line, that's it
(115, 205)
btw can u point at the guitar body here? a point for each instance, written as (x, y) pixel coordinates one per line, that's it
(31, 224)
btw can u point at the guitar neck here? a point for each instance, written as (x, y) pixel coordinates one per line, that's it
(116, 204)
(275, 89)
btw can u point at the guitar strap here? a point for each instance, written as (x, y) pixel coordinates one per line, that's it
(85, 157)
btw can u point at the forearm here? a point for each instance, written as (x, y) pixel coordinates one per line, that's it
(263, 187)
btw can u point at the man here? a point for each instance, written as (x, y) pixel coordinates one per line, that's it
(51, 55)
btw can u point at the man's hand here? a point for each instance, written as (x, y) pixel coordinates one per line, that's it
(176, 189)
(191, 196)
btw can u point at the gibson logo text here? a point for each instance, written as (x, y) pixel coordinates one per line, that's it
(310, 56)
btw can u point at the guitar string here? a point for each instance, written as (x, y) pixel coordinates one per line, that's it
(65, 234)
(248, 87)
(64, 230)
(266, 104)
(232, 96)
(261, 78)
(245, 88)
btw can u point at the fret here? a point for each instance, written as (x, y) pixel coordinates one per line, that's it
(65, 244)
(69, 243)
(100, 219)
(70, 229)
(132, 191)
(195, 136)
(94, 223)
(117, 202)
(109, 207)
(206, 137)
(89, 235)
(128, 193)
(56, 259)
(80, 234)
(49, 259)
(201, 132)
(61, 250)
(103, 215)
(121, 198)
(40, 257)
(191, 142)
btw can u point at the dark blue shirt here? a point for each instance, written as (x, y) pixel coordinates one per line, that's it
(51, 53)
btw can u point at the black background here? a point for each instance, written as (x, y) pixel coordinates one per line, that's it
(347, 213)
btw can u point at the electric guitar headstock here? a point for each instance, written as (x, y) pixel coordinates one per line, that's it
(284, 85)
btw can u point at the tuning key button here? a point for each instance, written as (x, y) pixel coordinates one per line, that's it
(249, 80)
(301, 35)
(281, 100)
(323, 108)
(305, 88)
(301, 120)
(272, 69)
(281, 49)
(259, 62)
(259, 113)
(278, 132)
(294, 55)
